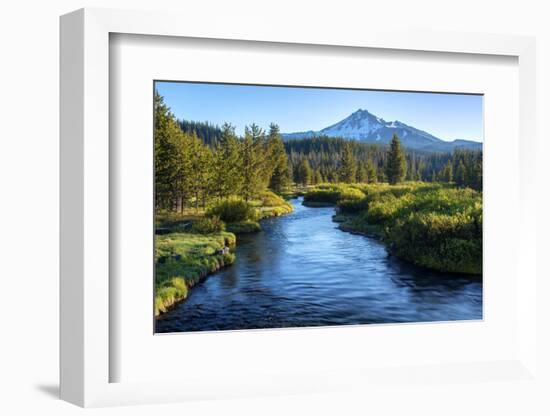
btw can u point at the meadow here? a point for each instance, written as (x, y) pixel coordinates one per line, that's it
(433, 225)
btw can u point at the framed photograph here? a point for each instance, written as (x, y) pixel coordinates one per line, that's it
(283, 212)
(363, 221)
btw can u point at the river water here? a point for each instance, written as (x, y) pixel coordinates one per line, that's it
(301, 270)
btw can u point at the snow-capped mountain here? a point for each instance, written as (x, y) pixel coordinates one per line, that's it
(366, 127)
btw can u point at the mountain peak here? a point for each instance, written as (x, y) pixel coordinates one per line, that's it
(362, 112)
(364, 126)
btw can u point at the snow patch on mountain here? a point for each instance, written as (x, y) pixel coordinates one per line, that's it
(365, 126)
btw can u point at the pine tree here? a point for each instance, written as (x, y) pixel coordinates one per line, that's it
(362, 174)
(460, 176)
(411, 168)
(349, 165)
(172, 158)
(317, 177)
(447, 173)
(303, 173)
(290, 173)
(227, 175)
(199, 175)
(278, 161)
(372, 176)
(396, 165)
(253, 161)
(478, 176)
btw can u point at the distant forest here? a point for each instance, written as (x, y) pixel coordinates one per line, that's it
(319, 159)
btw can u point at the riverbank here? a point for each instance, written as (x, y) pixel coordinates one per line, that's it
(433, 225)
(184, 259)
(321, 283)
(193, 244)
(354, 225)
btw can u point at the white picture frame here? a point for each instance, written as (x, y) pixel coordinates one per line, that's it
(85, 211)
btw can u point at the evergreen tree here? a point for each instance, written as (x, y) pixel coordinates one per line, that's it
(348, 170)
(278, 161)
(372, 176)
(290, 173)
(172, 158)
(208, 133)
(460, 176)
(447, 173)
(413, 168)
(303, 173)
(252, 161)
(478, 176)
(381, 171)
(196, 162)
(362, 174)
(200, 174)
(396, 165)
(227, 177)
(333, 176)
(317, 177)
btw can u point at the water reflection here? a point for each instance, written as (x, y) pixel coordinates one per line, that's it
(302, 271)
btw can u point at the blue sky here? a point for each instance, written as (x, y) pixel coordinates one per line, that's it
(447, 116)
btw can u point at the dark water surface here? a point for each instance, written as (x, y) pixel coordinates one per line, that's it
(303, 271)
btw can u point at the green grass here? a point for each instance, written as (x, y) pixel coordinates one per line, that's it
(243, 217)
(295, 191)
(244, 227)
(275, 211)
(355, 224)
(331, 194)
(171, 219)
(189, 246)
(233, 209)
(184, 259)
(438, 226)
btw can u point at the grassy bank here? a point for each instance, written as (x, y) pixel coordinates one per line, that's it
(184, 259)
(194, 243)
(330, 194)
(238, 216)
(271, 205)
(437, 226)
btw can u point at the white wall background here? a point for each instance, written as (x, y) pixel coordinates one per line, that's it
(29, 184)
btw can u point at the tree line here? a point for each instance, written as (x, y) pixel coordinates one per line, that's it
(196, 162)
(192, 171)
(327, 159)
(209, 133)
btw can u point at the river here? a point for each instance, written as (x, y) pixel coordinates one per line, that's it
(301, 270)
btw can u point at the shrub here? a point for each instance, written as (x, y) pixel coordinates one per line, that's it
(350, 194)
(270, 199)
(232, 210)
(244, 227)
(448, 242)
(432, 225)
(322, 195)
(353, 206)
(385, 208)
(333, 194)
(208, 225)
(276, 211)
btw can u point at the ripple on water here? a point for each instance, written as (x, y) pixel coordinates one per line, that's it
(303, 271)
